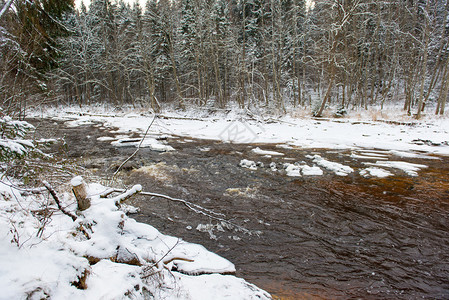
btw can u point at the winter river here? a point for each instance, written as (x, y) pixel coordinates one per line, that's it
(312, 237)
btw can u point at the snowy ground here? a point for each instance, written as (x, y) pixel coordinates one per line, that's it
(429, 135)
(103, 254)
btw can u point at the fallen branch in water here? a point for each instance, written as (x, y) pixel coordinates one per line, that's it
(192, 206)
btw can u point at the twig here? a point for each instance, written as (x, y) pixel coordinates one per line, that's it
(192, 206)
(24, 191)
(58, 202)
(156, 264)
(198, 209)
(137, 150)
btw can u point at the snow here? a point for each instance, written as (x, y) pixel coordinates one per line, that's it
(346, 133)
(335, 167)
(249, 164)
(76, 181)
(132, 260)
(375, 172)
(148, 142)
(296, 170)
(370, 155)
(411, 154)
(268, 153)
(311, 171)
(409, 168)
(105, 138)
(292, 170)
(220, 288)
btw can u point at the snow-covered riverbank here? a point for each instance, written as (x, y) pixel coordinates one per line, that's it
(103, 254)
(394, 131)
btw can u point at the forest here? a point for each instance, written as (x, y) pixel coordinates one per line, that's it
(275, 54)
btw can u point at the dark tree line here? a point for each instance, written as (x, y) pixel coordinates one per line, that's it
(273, 53)
(29, 49)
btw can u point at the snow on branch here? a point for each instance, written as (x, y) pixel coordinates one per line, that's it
(12, 144)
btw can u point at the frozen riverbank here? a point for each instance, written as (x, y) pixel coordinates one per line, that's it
(400, 134)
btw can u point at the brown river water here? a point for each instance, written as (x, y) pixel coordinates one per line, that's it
(315, 237)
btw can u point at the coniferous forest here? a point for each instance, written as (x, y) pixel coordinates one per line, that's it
(276, 54)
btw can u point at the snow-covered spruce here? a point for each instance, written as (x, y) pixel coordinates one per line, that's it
(12, 142)
(102, 255)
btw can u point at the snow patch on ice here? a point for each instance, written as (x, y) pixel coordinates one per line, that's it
(105, 138)
(335, 167)
(249, 164)
(369, 155)
(409, 168)
(375, 172)
(259, 151)
(151, 143)
(412, 155)
(296, 170)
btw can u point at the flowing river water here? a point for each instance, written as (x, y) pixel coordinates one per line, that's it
(312, 237)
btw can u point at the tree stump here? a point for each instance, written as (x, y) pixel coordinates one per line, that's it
(80, 191)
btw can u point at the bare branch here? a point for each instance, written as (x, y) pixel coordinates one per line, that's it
(58, 202)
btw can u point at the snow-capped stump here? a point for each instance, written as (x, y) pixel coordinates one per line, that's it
(80, 192)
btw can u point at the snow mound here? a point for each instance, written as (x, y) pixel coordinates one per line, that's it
(375, 172)
(335, 167)
(292, 170)
(311, 171)
(295, 170)
(249, 164)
